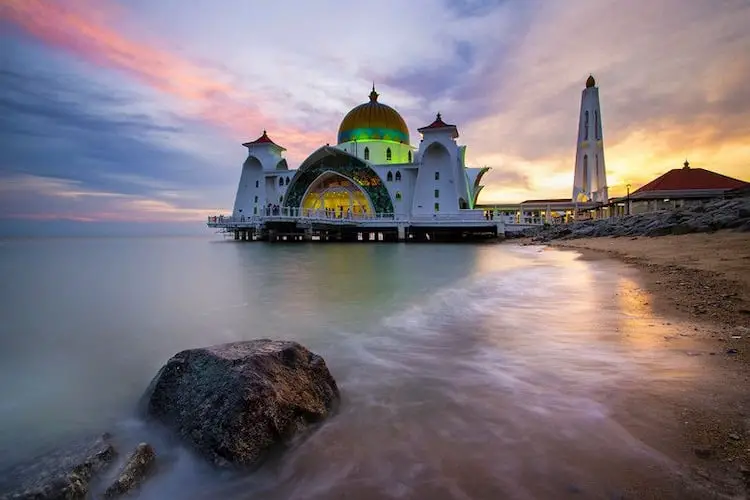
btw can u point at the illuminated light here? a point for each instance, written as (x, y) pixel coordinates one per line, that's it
(373, 121)
(374, 134)
(334, 192)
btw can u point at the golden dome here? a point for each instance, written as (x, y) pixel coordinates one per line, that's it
(590, 82)
(373, 121)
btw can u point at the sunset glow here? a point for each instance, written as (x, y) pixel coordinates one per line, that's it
(163, 94)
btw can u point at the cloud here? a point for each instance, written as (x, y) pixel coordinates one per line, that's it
(71, 151)
(32, 197)
(509, 73)
(672, 82)
(78, 27)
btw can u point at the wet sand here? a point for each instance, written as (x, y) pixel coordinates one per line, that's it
(701, 284)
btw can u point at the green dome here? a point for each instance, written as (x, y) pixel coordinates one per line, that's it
(373, 121)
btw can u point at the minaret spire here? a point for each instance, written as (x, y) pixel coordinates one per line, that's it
(590, 174)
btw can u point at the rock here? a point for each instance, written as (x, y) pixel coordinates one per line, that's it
(711, 216)
(702, 452)
(234, 402)
(137, 468)
(61, 474)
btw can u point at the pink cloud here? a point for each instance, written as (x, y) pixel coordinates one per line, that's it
(84, 29)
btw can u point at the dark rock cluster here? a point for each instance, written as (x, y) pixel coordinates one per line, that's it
(232, 403)
(61, 474)
(704, 218)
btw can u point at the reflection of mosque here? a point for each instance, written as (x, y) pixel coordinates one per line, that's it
(373, 180)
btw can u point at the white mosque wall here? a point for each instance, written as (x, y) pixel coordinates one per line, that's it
(251, 187)
(275, 188)
(377, 151)
(436, 189)
(261, 182)
(399, 180)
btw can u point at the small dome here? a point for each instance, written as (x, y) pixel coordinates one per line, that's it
(590, 82)
(373, 121)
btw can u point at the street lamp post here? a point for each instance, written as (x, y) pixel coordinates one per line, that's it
(627, 203)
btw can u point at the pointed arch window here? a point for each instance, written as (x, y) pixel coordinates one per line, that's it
(585, 181)
(281, 181)
(409, 156)
(287, 181)
(257, 183)
(437, 176)
(367, 153)
(586, 127)
(389, 177)
(596, 125)
(398, 195)
(398, 176)
(388, 154)
(596, 173)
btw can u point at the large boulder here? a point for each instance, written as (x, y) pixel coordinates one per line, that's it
(235, 402)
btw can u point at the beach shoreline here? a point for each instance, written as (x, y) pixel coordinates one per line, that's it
(701, 282)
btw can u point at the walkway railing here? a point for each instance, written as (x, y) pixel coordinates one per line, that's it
(338, 217)
(282, 213)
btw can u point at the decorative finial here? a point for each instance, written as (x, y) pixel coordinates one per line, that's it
(438, 117)
(686, 164)
(264, 131)
(373, 94)
(590, 82)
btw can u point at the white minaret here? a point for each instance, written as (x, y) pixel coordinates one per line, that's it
(590, 175)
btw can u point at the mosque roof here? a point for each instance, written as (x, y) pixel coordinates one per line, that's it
(439, 124)
(373, 121)
(263, 139)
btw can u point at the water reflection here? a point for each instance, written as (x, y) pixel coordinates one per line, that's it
(467, 371)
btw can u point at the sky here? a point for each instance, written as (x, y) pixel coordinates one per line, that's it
(115, 113)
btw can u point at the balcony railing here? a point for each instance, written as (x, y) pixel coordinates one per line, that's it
(337, 216)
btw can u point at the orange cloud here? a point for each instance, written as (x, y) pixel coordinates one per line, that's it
(62, 199)
(81, 27)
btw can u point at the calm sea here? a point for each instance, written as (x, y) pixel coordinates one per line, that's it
(467, 371)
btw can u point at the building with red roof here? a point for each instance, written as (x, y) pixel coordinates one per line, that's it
(682, 187)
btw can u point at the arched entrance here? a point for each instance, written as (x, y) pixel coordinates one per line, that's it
(336, 194)
(331, 160)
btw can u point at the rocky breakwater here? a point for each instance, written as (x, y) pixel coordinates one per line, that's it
(704, 218)
(232, 403)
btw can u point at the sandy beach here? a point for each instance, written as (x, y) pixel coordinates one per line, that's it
(701, 283)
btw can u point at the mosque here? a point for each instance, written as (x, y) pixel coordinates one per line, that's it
(373, 185)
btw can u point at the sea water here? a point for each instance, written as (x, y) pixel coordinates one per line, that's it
(466, 371)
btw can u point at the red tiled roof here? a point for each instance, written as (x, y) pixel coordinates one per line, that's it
(685, 179)
(263, 139)
(440, 124)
